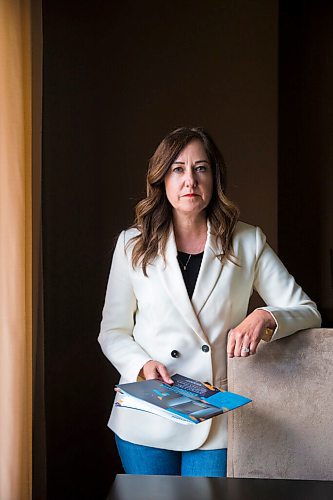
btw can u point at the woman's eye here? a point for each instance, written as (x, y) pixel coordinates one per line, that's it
(177, 169)
(201, 168)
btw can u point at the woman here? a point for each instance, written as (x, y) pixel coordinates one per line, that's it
(177, 300)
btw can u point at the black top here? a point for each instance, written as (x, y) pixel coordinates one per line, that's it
(190, 266)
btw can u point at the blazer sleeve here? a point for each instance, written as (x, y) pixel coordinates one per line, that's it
(290, 306)
(118, 318)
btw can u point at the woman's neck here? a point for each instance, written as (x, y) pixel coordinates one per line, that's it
(190, 233)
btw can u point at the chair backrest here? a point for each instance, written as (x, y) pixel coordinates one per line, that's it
(287, 431)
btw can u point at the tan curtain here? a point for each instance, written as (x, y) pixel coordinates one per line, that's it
(15, 250)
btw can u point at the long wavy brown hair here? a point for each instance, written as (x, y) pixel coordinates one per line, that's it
(154, 213)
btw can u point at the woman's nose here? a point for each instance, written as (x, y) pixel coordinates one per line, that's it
(190, 180)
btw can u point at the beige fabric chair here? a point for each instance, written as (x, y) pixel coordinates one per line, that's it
(287, 431)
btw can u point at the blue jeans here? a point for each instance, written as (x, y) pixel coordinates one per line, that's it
(138, 459)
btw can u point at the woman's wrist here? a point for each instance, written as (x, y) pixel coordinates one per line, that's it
(268, 319)
(269, 324)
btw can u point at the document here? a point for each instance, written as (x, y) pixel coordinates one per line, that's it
(187, 401)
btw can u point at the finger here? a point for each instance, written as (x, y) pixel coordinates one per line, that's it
(164, 374)
(238, 346)
(253, 346)
(231, 344)
(245, 348)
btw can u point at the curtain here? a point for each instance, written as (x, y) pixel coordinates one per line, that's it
(15, 250)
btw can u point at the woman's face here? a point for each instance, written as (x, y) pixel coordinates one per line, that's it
(189, 180)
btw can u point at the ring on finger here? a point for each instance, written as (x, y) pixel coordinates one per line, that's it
(246, 349)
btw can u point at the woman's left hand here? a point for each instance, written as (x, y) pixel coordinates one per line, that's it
(244, 339)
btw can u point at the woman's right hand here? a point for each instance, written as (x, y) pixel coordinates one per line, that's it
(155, 370)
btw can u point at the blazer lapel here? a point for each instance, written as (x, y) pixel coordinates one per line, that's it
(172, 280)
(210, 271)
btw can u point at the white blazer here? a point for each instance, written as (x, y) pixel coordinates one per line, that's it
(149, 317)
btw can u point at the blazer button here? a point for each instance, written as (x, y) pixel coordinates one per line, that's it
(175, 354)
(205, 348)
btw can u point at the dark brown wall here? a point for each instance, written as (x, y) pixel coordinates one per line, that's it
(305, 147)
(117, 77)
